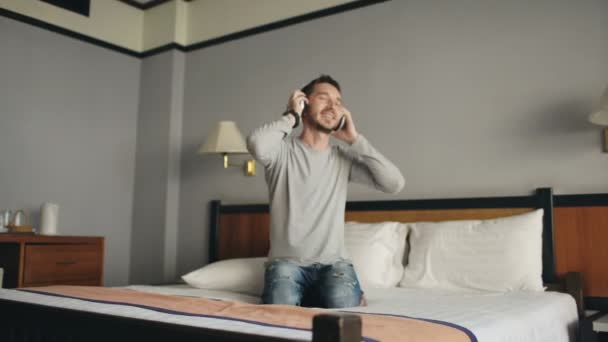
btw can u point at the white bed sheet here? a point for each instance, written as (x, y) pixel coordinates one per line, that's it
(494, 317)
(512, 317)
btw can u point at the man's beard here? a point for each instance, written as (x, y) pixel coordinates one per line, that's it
(320, 126)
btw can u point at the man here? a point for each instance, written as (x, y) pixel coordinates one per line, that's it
(307, 182)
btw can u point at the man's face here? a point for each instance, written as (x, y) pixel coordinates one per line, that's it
(324, 107)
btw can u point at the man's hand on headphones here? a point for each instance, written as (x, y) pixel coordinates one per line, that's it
(296, 101)
(348, 133)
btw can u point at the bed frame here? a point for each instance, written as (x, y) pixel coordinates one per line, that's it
(242, 231)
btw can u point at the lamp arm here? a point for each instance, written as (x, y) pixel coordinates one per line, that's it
(248, 166)
(227, 163)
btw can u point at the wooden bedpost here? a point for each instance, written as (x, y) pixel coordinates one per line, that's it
(214, 223)
(336, 327)
(573, 284)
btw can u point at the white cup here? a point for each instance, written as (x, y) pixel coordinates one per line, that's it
(49, 215)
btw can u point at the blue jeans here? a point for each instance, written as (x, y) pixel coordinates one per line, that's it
(316, 285)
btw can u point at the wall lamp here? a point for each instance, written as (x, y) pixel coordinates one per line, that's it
(600, 117)
(226, 139)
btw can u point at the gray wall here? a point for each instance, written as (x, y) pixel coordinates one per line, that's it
(68, 114)
(156, 201)
(468, 98)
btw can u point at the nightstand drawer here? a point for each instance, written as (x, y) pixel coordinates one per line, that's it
(61, 263)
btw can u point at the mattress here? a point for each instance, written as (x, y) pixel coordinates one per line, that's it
(497, 317)
(520, 316)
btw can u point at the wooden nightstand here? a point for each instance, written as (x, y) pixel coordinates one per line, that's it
(594, 327)
(37, 260)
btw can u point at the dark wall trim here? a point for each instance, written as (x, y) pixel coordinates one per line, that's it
(147, 5)
(161, 49)
(211, 42)
(81, 7)
(53, 28)
(283, 23)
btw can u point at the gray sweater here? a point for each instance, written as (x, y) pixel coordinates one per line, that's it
(307, 190)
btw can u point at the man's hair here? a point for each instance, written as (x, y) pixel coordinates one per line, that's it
(321, 79)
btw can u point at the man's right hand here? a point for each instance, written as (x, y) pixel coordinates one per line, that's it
(295, 100)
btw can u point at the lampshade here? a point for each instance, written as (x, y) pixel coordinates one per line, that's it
(225, 138)
(600, 116)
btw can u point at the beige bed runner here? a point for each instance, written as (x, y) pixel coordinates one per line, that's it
(376, 327)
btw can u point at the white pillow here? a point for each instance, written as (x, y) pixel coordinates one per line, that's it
(376, 250)
(498, 255)
(245, 275)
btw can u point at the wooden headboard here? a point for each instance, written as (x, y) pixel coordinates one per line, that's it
(240, 231)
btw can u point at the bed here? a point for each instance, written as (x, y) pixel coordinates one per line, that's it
(181, 312)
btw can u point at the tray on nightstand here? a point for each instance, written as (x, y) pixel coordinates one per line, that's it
(594, 327)
(600, 326)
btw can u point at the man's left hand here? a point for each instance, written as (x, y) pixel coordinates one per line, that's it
(348, 133)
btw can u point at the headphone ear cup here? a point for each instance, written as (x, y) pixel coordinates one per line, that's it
(341, 123)
(304, 108)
